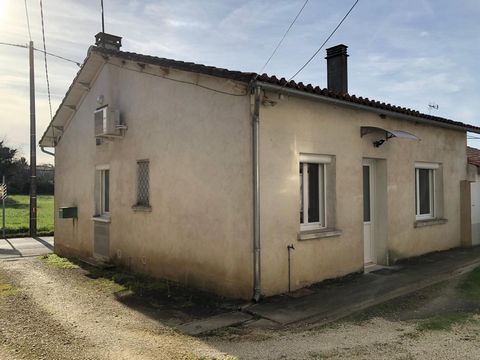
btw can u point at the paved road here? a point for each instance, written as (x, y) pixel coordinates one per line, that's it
(25, 247)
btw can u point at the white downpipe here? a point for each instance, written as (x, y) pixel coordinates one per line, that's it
(257, 285)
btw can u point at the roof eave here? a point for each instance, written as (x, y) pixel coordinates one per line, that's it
(68, 106)
(379, 111)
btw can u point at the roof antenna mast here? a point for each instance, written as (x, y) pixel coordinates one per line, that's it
(103, 20)
(107, 41)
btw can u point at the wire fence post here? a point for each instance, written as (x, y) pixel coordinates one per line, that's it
(4, 195)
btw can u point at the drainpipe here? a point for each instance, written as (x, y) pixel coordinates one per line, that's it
(46, 151)
(256, 196)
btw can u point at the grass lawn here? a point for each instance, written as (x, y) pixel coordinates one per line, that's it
(17, 215)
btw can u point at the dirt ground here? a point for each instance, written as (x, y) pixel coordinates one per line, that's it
(47, 312)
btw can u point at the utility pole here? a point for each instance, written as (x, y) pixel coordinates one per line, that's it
(33, 149)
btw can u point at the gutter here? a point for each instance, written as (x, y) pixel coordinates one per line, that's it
(257, 285)
(46, 151)
(294, 92)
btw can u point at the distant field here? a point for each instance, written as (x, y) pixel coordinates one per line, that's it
(17, 215)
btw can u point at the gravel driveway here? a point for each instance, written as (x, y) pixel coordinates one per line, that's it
(52, 313)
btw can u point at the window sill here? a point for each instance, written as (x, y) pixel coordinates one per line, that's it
(141, 208)
(318, 234)
(429, 222)
(103, 219)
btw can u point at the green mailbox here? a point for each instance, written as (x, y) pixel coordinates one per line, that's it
(67, 212)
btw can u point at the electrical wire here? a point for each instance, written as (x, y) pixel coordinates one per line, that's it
(283, 37)
(28, 21)
(59, 57)
(45, 61)
(16, 45)
(326, 40)
(182, 81)
(42, 51)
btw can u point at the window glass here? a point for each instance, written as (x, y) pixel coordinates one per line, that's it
(106, 190)
(313, 194)
(143, 184)
(424, 190)
(366, 194)
(301, 193)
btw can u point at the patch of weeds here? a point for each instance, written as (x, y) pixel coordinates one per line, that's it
(317, 355)
(413, 335)
(144, 290)
(7, 289)
(443, 322)
(386, 310)
(395, 309)
(406, 357)
(470, 286)
(333, 325)
(109, 285)
(58, 262)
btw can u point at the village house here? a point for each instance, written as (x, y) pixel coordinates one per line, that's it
(248, 185)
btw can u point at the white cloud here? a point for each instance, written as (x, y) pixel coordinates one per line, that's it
(406, 52)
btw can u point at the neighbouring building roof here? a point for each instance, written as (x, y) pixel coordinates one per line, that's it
(248, 77)
(473, 156)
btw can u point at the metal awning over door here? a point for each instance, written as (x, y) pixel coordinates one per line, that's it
(386, 134)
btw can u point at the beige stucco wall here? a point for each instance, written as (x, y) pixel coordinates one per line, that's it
(295, 126)
(198, 142)
(199, 145)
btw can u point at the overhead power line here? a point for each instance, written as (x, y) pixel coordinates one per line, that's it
(28, 21)
(16, 45)
(42, 51)
(59, 57)
(283, 37)
(326, 40)
(45, 61)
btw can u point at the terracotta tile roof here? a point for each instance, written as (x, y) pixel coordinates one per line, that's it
(251, 76)
(473, 156)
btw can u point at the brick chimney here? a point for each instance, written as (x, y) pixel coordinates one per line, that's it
(108, 41)
(337, 77)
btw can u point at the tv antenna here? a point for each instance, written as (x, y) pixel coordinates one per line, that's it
(103, 20)
(432, 106)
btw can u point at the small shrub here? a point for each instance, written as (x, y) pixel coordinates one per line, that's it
(58, 262)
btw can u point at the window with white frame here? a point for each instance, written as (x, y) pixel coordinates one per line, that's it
(425, 190)
(103, 191)
(313, 189)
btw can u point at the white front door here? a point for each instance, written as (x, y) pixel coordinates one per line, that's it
(368, 211)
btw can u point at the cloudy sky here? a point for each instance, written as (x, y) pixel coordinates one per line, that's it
(409, 52)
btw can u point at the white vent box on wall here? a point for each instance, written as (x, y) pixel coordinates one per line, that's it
(107, 123)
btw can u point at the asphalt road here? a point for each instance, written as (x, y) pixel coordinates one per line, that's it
(25, 247)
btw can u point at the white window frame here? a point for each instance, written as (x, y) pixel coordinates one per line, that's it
(432, 167)
(322, 160)
(101, 191)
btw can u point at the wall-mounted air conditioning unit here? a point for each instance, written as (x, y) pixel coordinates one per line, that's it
(107, 123)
